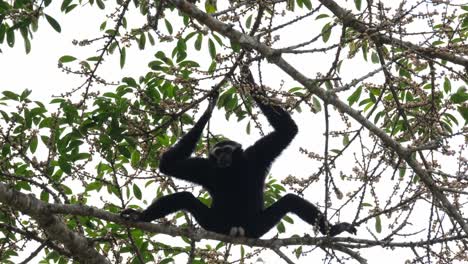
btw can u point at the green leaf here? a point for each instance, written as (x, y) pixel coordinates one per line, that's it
(6, 149)
(11, 95)
(70, 111)
(298, 252)
(66, 59)
(404, 72)
(160, 55)
(465, 22)
(290, 5)
(189, 64)
(212, 48)
(64, 165)
(295, 89)
(135, 159)
(33, 144)
(299, 3)
(181, 48)
(53, 23)
(326, 32)
(235, 46)
(65, 4)
(168, 26)
(316, 106)
(27, 45)
(248, 23)
(27, 118)
(70, 8)
(44, 196)
(151, 39)
(94, 186)
(460, 96)
(122, 57)
(375, 58)
(23, 185)
(308, 4)
(280, 227)
(130, 81)
(198, 41)
(93, 58)
(10, 37)
(124, 22)
(402, 172)
(113, 46)
(81, 156)
(86, 65)
(345, 139)
(355, 96)
(447, 85)
(142, 41)
(210, 6)
(463, 112)
(100, 4)
(137, 191)
(378, 224)
(103, 25)
(288, 219)
(190, 35)
(358, 4)
(57, 100)
(212, 67)
(451, 117)
(322, 16)
(171, 260)
(3, 30)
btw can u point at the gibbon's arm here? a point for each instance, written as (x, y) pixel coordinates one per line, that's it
(176, 161)
(269, 147)
(266, 149)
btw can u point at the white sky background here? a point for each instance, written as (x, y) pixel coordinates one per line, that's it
(38, 71)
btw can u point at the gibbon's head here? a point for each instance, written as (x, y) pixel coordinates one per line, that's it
(226, 153)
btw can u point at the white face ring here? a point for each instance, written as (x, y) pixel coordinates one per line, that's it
(231, 147)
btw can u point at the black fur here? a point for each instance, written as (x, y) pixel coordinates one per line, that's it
(236, 190)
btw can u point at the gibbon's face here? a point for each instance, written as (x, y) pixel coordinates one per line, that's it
(224, 153)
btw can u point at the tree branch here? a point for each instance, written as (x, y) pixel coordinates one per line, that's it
(34, 207)
(351, 21)
(55, 228)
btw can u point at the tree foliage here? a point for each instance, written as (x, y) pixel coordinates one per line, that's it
(391, 88)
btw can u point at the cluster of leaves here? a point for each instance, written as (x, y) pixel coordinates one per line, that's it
(23, 16)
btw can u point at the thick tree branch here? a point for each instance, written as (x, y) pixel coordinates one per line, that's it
(17, 199)
(32, 235)
(78, 245)
(273, 56)
(350, 20)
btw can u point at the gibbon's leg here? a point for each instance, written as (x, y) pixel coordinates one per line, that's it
(291, 203)
(176, 202)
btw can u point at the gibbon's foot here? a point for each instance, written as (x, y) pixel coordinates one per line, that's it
(237, 231)
(130, 214)
(341, 227)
